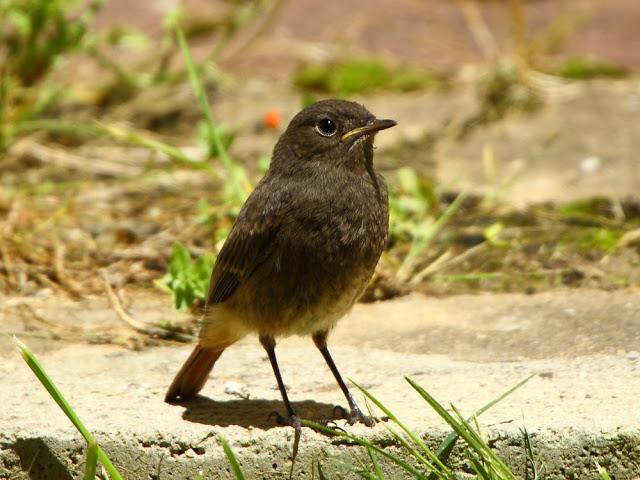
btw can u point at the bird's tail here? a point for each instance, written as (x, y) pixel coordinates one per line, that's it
(193, 374)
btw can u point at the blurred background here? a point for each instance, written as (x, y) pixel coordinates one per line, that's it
(131, 133)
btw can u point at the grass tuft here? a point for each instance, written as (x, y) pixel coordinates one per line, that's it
(361, 75)
(586, 68)
(94, 452)
(424, 463)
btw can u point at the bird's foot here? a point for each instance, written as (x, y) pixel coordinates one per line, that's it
(292, 421)
(355, 416)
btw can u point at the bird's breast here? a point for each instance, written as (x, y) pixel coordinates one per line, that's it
(326, 250)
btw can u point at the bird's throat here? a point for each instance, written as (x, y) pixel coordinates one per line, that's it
(368, 165)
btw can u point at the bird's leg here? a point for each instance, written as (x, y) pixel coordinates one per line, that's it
(355, 414)
(269, 345)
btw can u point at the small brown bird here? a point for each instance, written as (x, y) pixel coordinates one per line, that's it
(303, 248)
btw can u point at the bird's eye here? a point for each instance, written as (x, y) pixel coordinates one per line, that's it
(326, 127)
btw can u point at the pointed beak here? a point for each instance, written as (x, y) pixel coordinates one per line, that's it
(372, 127)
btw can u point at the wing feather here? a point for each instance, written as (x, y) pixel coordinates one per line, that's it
(249, 244)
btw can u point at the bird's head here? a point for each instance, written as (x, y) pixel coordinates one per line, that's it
(337, 132)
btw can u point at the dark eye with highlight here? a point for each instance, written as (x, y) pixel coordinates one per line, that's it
(326, 127)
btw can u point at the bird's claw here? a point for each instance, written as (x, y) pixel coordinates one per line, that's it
(292, 421)
(356, 416)
(279, 419)
(340, 412)
(331, 424)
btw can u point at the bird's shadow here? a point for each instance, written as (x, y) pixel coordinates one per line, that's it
(252, 412)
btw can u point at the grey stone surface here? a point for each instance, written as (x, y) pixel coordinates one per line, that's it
(581, 407)
(583, 142)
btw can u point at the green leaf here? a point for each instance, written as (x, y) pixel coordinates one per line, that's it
(186, 280)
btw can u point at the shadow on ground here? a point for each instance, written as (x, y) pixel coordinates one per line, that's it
(39, 460)
(253, 412)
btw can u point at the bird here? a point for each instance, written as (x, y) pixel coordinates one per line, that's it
(302, 250)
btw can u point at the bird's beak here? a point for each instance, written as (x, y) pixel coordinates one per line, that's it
(372, 127)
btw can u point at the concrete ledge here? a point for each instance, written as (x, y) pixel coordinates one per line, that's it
(562, 455)
(579, 410)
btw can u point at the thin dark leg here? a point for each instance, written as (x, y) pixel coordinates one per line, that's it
(269, 345)
(355, 415)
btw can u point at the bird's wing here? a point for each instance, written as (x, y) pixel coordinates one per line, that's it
(241, 255)
(249, 244)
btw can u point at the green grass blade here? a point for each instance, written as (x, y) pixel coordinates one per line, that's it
(414, 438)
(57, 126)
(530, 460)
(374, 464)
(239, 184)
(362, 472)
(201, 98)
(5, 125)
(92, 462)
(358, 467)
(502, 396)
(105, 461)
(48, 384)
(233, 460)
(321, 474)
(137, 138)
(479, 469)
(415, 453)
(602, 473)
(486, 454)
(426, 232)
(365, 443)
(366, 474)
(444, 449)
(464, 430)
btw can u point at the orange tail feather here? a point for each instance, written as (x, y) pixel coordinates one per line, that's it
(193, 374)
